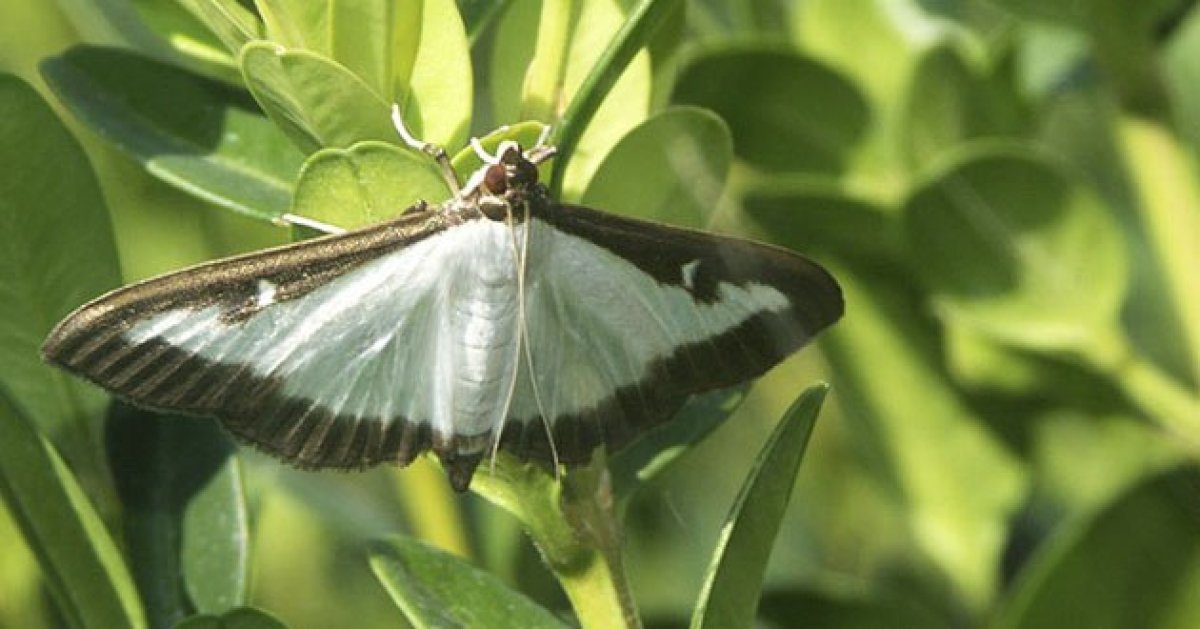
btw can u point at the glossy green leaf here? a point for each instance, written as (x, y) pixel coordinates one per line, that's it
(436, 589)
(769, 98)
(604, 82)
(56, 252)
(240, 618)
(299, 24)
(949, 101)
(654, 451)
(81, 564)
(185, 512)
(232, 23)
(202, 137)
(679, 159)
(1011, 244)
(318, 103)
(368, 183)
(1135, 563)
(376, 40)
(735, 576)
(438, 105)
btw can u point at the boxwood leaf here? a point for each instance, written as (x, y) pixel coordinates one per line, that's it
(733, 586)
(366, 183)
(316, 101)
(240, 618)
(767, 95)
(198, 135)
(679, 159)
(232, 23)
(377, 40)
(1011, 244)
(1144, 546)
(185, 512)
(56, 251)
(79, 561)
(437, 102)
(436, 589)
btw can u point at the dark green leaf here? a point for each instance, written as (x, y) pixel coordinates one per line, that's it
(56, 252)
(317, 102)
(734, 582)
(834, 607)
(240, 618)
(654, 452)
(1136, 563)
(367, 183)
(679, 159)
(185, 512)
(949, 102)
(1011, 244)
(786, 112)
(78, 559)
(436, 589)
(203, 137)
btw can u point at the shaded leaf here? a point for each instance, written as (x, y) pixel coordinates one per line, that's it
(733, 586)
(436, 589)
(197, 135)
(1008, 242)
(654, 451)
(240, 618)
(831, 608)
(317, 102)
(232, 23)
(185, 512)
(368, 183)
(56, 252)
(78, 559)
(679, 159)
(769, 98)
(1135, 563)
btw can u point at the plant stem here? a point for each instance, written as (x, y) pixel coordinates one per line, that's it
(574, 526)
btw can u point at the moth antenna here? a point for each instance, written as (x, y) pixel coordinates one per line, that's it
(484, 156)
(544, 137)
(523, 332)
(436, 152)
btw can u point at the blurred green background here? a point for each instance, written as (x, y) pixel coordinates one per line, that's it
(1007, 191)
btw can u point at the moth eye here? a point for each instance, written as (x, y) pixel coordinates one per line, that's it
(524, 173)
(495, 179)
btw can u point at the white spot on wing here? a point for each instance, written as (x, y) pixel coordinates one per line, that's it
(266, 294)
(689, 274)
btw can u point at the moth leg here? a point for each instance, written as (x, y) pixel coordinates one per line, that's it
(419, 206)
(289, 219)
(436, 152)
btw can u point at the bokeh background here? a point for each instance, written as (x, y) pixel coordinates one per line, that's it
(1009, 194)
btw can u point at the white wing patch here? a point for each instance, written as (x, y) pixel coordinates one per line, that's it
(429, 332)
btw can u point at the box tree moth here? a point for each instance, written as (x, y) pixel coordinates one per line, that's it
(500, 319)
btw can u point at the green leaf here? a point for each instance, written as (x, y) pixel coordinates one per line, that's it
(436, 589)
(376, 40)
(197, 135)
(678, 158)
(1135, 563)
(478, 15)
(949, 102)
(834, 607)
(1010, 243)
(605, 81)
(654, 451)
(78, 559)
(232, 23)
(438, 105)
(932, 449)
(56, 252)
(299, 24)
(368, 183)
(734, 583)
(317, 102)
(185, 512)
(526, 134)
(767, 95)
(240, 618)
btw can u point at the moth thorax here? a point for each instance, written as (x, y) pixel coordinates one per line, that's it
(497, 209)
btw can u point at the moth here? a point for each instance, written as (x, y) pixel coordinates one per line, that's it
(500, 319)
